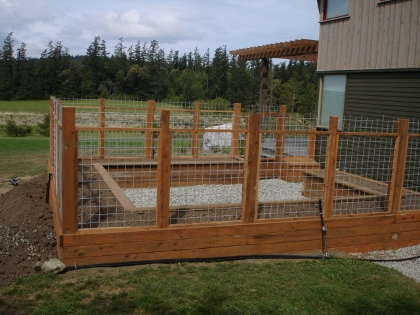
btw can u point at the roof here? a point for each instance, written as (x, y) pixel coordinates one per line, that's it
(302, 49)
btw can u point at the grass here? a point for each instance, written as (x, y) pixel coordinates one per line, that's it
(22, 157)
(334, 286)
(37, 106)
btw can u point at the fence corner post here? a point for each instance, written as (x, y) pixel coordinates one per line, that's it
(330, 167)
(163, 172)
(400, 149)
(69, 172)
(251, 170)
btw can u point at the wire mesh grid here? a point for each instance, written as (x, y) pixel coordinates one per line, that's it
(411, 193)
(287, 153)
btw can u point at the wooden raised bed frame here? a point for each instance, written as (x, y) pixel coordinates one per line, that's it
(249, 235)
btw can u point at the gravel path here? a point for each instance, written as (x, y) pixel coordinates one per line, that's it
(410, 268)
(269, 190)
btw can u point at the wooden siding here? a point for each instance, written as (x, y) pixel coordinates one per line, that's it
(378, 95)
(375, 36)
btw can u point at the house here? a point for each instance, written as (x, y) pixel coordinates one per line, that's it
(369, 59)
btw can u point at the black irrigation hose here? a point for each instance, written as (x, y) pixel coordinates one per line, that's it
(389, 260)
(231, 258)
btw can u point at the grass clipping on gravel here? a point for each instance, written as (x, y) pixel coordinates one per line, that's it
(333, 286)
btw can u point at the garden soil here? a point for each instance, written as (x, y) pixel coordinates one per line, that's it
(27, 234)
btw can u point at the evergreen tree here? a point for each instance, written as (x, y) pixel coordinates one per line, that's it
(7, 66)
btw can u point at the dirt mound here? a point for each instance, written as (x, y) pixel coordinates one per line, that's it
(26, 230)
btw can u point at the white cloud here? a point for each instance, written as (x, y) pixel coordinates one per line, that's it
(180, 25)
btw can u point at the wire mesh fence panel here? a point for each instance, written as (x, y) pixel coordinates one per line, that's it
(364, 167)
(411, 193)
(287, 153)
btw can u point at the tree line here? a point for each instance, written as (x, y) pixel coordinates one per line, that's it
(145, 71)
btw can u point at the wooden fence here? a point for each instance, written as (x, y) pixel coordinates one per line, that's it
(395, 225)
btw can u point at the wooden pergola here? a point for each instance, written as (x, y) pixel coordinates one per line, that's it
(302, 49)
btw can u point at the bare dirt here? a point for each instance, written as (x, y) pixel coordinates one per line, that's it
(26, 230)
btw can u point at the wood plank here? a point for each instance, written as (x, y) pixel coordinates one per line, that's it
(357, 35)
(343, 237)
(414, 33)
(196, 125)
(236, 124)
(164, 171)
(251, 170)
(150, 118)
(69, 174)
(101, 125)
(234, 251)
(397, 30)
(331, 166)
(405, 34)
(398, 167)
(122, 198)
(135, 234)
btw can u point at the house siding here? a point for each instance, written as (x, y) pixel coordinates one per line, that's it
(383, 95)
(375, 36)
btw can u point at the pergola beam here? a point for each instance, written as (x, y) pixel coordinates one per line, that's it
(302, 49)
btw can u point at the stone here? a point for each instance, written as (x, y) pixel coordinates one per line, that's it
(53, 265)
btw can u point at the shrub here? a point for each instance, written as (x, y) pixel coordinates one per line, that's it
(12, 129)
(44, 127)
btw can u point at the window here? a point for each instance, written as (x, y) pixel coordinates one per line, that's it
(332, 102)
(336, 8)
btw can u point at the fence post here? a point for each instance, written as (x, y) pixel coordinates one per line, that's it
(101, 123)
(150, 119)
(280, 128)
(164, 171)
(330, 167)
(196, 126)
(251, 170)
(400, 149)
(69, 172)
(311, 143)
(51, 137)
(236, 125)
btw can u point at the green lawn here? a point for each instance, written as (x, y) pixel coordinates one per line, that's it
(334, 286)
(22, 157)
(38, 107)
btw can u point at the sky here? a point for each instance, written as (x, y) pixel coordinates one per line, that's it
(181, 25)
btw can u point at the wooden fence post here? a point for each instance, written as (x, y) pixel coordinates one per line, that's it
(251, 170)
(69, 172)
(150, 119)
(236, 125)
(311, 143)
(280, 128)
(400, 149)
(196, 126)
(164, 171)
(330, 167)
(101, 133)
(51, 137)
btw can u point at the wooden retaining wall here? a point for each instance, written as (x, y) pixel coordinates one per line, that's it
(249, 235)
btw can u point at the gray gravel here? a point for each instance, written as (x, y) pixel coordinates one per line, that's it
(269, 190)
(410, 268)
